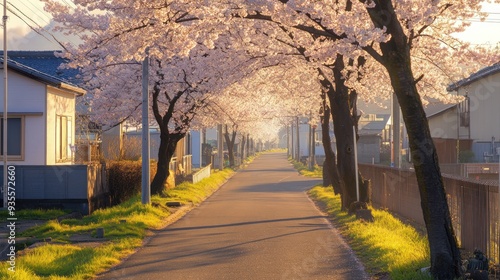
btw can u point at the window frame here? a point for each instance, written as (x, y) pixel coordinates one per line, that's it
(63, 155)
(22, 136)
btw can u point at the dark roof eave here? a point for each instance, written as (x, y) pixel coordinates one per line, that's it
(78, 91)
(35, 75)
(485, 72)
(442, 111)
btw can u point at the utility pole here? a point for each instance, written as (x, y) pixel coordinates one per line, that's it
(145, 186)
(220, 145)
(287, 141)
(313, 148)
(355, 145)
(5, 115)
(310, 161)
(396, 126)
(298, 142)
(292, 145)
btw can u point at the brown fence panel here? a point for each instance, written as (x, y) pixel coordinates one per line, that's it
(97, 187)
(395, 190)
(473, 205)
(494, 222)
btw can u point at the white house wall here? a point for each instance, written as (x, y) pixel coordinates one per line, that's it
(26, 95)
(304, 141)
(484, 97)
(59, 102)
(34, 140)
(444, 125)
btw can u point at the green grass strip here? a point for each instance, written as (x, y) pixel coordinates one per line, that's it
(62, 260)
(386, 245)
(316, 172)
(34, 214)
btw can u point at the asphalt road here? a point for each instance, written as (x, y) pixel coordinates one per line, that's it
(259, 225)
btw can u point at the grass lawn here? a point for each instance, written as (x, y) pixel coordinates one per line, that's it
(386, 245)
(63, 260)
(317, 171)
(36, 214)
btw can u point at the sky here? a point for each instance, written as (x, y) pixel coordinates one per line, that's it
(26, 13)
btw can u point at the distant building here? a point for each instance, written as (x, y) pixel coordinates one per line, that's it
(374, 136)
(308, 134)
(470, 130)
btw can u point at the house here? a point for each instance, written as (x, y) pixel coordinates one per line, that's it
(41, 116)
(470, 130)
(87, 134)
(374, 136)
(41, 139)
(132, 149)
(307, 134)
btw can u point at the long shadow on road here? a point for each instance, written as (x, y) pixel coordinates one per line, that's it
(259, 225)
(245, 223)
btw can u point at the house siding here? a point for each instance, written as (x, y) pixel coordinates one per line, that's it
(196, 147)
(28, 96)
(62, 103)
(444, 124)
(484, 97)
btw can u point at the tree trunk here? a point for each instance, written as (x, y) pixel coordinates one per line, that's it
(230, 145)
(168, 143)
(243, 138)
(445, 256)
(344, 117)
(330, 169)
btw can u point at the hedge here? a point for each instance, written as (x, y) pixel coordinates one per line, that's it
(125, 179)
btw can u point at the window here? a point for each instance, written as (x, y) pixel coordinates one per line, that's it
(464, 112)
(64, 139)
(14, 138)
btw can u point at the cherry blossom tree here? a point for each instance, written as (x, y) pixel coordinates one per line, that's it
(260, 103)
(408, 44)
(404, 38)
(178, 86)
(343, 98)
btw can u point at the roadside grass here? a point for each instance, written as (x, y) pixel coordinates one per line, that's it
(62, 260)
(276, 150)
(386, 245)
(35, 214)
(317, 171)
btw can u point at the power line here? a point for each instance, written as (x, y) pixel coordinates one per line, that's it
(23, 20)
(483, 21)
(39, 13)
(36, 30)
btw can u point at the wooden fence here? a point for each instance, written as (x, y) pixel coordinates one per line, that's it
(473, 204)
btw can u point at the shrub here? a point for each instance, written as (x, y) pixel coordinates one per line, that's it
(466, 156)
(125, 179)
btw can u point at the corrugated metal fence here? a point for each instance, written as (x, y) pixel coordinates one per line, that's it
(474, 205)
(81, 188)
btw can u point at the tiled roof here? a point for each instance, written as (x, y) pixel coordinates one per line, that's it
(42, 66)
(46, 62)
(436, 108)
(487, 71)
(373, 127)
